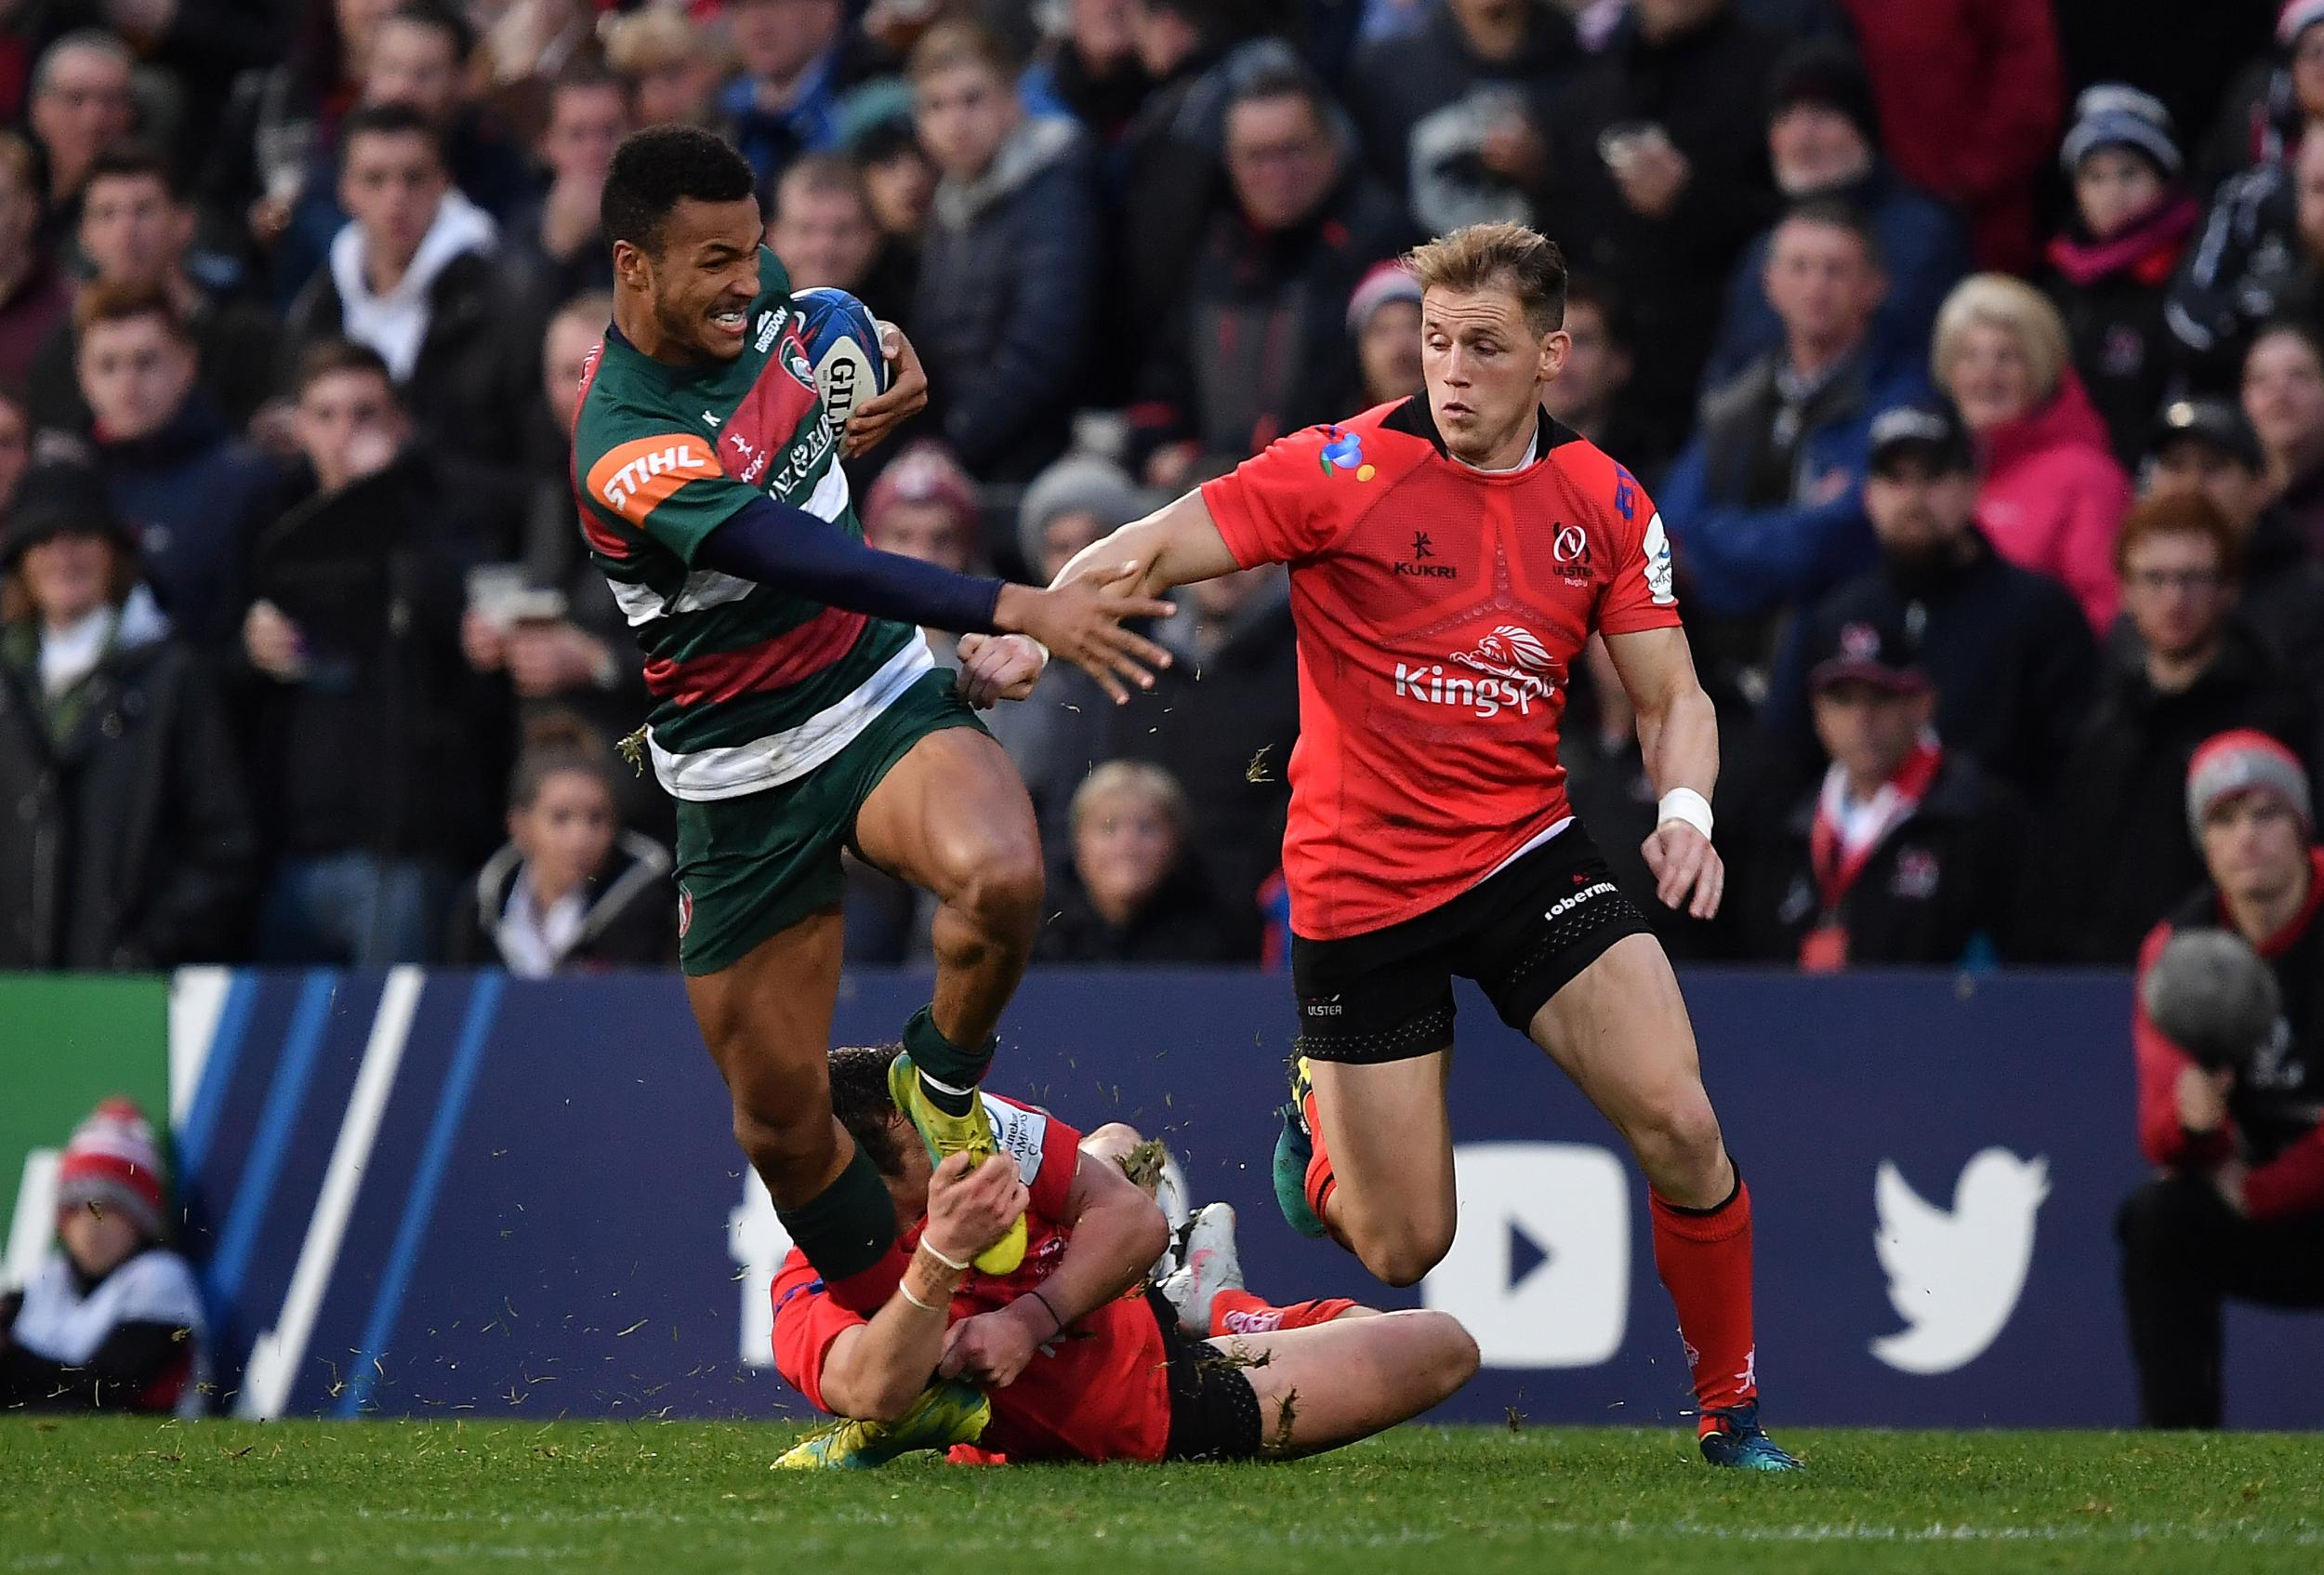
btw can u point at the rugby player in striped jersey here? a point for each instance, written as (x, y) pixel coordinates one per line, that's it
(796, 709)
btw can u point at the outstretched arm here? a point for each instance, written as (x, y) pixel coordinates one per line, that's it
(777, 544)
(1176, 545)
(1678, 734)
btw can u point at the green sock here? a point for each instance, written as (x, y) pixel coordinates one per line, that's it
(948, 1073)
(848, 1227)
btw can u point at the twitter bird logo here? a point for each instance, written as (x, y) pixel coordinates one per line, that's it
(1955, 1275)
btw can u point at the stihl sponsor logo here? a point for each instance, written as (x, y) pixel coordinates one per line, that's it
(674, 459)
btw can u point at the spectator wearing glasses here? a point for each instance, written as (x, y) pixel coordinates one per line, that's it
(2115, 856)
(81, 105)
(2207, 445)
(1261, 345)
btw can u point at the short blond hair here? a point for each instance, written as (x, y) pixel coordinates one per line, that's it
(1502, 256)
(1129, 780)
(952, 44)
(2013, 306)
(657, 37)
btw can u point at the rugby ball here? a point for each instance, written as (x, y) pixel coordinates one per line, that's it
(842, 339)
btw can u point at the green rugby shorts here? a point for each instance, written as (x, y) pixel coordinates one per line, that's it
(752, 867)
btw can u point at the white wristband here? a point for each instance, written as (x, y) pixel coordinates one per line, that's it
(1685, 804)
(958, 1265)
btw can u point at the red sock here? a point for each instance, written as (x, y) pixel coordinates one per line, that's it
(1321, 1183)
(1239, 1312)
(1704, 1257)
(866, 1290)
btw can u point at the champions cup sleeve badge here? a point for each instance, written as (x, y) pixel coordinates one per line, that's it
(1346, 452)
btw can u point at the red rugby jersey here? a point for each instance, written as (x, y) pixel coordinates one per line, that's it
(1439, 609)
(1099, 1392)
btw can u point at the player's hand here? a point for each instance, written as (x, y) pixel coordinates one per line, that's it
(2228, 1181)
(1687, 870)
(991, 1348)
(998, 666)
(547, 659)
(1653, 177)
(1083, 621)
(273, 642)
(970, 1210)
(907, 395)
(2203, 1099)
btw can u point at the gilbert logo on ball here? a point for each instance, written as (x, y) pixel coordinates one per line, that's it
(843, 354)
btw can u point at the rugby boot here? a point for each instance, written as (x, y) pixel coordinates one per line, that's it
(970, 1135)
(1731, 1437)
(948, 1413)
(1212, 1265)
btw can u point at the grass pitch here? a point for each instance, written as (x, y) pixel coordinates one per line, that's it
(674, 1499)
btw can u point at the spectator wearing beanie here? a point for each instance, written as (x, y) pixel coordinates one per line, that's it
(1384, 320)
(1907, 852)
(2207, 445)
(1971, 98)
(129, 842)
(1057, 733)
(2109, 270)
(2011, 658)
(1824, 140)
(2115, 856)
(2239, 1210)
(924, 507)
(2053, 494)
(111, 1320)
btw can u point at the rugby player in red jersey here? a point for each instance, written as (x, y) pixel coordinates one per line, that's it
(1450, 554)
(1071, 1355)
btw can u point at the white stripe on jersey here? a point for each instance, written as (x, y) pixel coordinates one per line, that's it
(737, 769)
(704, 588)
(708, 587)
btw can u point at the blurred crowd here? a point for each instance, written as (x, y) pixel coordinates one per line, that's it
(1971, 350)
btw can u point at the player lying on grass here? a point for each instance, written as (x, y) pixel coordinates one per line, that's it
(1075, 1355)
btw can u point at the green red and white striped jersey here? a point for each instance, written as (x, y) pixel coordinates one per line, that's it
(753, 686)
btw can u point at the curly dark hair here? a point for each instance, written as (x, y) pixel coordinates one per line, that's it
(858, 1098)
(657, 168)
